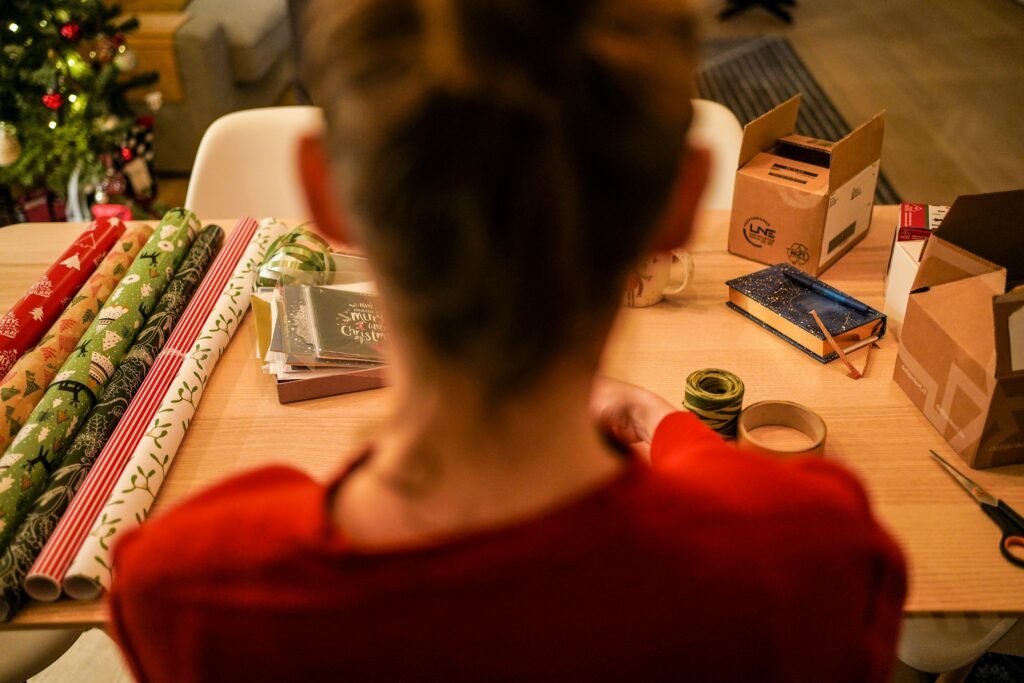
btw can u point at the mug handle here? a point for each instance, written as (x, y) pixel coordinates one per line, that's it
(687, 261)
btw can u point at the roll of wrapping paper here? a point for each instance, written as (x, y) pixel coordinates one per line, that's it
(40, 443)
(24, 385)
(299, 257)
(219, 304)
(18, 557)
(33, 314)
(716, 397)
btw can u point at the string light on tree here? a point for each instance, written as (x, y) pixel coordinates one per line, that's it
(126, 59)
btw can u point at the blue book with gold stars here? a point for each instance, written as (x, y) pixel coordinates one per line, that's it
(780, 299)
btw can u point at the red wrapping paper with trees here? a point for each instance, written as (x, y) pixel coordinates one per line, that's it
(33, 314)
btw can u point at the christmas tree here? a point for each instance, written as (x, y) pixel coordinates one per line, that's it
(64, 76)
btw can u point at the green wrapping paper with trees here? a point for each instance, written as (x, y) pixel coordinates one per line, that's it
(32, 534)
(24, 386)
(39, 446)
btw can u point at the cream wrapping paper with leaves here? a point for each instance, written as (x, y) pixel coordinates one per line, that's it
(137, 487)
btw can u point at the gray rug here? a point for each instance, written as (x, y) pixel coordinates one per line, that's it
(752, 75)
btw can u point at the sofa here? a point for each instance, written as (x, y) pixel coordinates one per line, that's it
(230, 55)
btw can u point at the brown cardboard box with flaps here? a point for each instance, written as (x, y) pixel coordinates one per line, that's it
(799, 199)
(961, 357)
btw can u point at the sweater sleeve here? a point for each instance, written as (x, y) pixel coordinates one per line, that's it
(822, 499)
(679, 436)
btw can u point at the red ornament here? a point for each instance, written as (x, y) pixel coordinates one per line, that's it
(70, 30)
(53, 100)
(126, 153)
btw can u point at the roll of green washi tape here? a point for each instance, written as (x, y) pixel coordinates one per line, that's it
(716, 397)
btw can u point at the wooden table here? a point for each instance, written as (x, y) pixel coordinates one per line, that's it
(955, 564)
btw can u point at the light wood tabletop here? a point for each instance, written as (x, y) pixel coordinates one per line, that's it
(951, 546)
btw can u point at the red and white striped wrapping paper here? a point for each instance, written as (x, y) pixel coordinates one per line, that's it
(33, 314)
(44, 578)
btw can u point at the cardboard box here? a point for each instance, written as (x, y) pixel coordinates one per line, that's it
(802, 200)
(915, 224)
(961, 357)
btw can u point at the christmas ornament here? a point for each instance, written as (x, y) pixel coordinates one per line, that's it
(10, 146)
(138, 155)
(126, 59)
(113, 184)
(53, 100)
(105, 49)
(70, 30)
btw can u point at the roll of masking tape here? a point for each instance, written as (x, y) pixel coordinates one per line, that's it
(781, 414)
(715, 396)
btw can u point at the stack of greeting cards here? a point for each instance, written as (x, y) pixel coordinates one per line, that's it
(320, 340)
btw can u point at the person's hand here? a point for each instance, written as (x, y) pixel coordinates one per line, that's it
(626, 412)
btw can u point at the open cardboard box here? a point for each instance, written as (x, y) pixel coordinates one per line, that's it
(961, 357)
(801, 200)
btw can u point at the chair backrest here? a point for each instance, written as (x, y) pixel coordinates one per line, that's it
(716, 128)
(246, 161)
(246, 164)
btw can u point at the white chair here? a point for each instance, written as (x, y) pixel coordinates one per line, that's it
(716, 128)
(26, 653)
(937, 644)
(247, 164)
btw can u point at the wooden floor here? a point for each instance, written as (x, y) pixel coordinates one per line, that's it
(950, 74)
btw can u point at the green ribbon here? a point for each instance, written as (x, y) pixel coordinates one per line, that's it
(716, 397)
(299, 257)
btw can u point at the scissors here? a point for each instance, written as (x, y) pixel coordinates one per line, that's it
(1002, 514)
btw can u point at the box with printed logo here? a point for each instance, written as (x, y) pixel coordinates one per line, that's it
(801, 200)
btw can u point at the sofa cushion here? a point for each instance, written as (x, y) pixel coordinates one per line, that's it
(257, 32)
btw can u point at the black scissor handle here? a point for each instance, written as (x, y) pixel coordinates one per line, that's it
(1012, 542)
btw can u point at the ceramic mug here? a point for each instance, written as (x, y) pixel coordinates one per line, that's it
(658, 276)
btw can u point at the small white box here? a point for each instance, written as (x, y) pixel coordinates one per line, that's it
(915, 222)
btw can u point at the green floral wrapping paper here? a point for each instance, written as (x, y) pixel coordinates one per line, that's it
(32, 534)
(39, 445)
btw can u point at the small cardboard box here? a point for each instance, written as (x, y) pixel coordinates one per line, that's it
(916, 223)
(961, 357)
(802, 200)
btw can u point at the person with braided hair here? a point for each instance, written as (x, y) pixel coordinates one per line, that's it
(503, 164)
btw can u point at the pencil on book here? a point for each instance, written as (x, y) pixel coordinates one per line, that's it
(807, 281)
